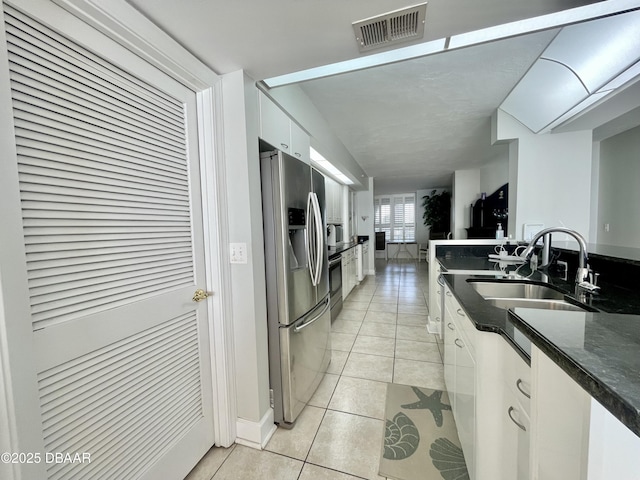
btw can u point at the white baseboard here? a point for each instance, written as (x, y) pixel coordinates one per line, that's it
(255, 434)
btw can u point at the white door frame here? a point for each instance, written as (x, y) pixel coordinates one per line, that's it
(127, 26)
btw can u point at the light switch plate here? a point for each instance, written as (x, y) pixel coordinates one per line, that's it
(238, 252)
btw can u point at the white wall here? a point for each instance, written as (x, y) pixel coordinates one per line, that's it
(553, 177)
(248, 290)
(494, 175)
(466, 190)
(619, 190)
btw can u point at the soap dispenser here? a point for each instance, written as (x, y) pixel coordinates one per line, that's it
(499, 232)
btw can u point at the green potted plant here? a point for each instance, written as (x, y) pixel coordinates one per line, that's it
(437, 213)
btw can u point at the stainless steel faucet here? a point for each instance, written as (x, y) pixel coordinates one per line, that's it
(583, 273)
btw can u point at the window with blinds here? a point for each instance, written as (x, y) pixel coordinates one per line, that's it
(395, 215)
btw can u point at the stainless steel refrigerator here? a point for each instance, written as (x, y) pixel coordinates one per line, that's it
(298, 307)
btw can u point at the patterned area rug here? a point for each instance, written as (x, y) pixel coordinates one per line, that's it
(421, 439)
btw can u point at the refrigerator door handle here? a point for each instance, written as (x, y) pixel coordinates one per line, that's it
(319, 239)
(304, 325)
(310, 238)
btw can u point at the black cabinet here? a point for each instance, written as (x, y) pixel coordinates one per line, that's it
(487, 213)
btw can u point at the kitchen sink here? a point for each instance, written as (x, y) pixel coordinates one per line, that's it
(520, 290)
(511, 294)
(507, 303)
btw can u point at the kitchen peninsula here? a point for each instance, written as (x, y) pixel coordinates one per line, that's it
(578, 415)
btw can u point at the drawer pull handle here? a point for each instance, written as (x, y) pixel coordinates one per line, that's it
(450, 325)
(460, 312)
(447, 293)
(285, 146)
(522, 427)
(437, 292)
(460, 345)
(518, 386)
(437, 319)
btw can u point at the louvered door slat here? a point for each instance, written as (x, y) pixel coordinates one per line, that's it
(48, 80)
(98, 379)
(73, 167)
(149, 390)
(47, 152)
(73, 293)
(111, 154)
(71, 371)
(26, 96)
(65, 310)
(68, 245)
(98, 203)
(107, 274)
(54, 209)
(182, 403)
(36, 86)
(147, 383)
(124, 462)
(38, 242)
(61, 266)
(98, 197)
(30, 35)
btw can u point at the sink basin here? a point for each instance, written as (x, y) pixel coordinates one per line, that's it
(511, 294)
(520, 290)
(507, 303)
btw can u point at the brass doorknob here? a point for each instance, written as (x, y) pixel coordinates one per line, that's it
(200, 295)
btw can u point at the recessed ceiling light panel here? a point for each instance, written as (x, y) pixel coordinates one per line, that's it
(399, 26)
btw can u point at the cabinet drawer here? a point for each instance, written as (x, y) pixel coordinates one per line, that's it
(455, 313)
(517, 375)
(515, 439)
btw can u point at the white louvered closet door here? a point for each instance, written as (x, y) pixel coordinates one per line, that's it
(108, 171)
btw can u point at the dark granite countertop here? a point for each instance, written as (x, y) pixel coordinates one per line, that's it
(604, 358)
(338, 249)
(600, 351)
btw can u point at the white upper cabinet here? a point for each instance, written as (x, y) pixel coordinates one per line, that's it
(334, 194)
(280, 131)
(274, 125)
(300, 143)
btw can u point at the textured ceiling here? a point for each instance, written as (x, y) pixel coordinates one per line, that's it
(411, 124)
(270, 38)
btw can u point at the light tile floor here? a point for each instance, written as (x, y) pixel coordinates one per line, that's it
(379, 337)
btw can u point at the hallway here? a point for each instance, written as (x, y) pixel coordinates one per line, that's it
(379, 337)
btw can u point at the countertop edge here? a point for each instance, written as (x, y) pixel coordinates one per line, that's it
(626, 413)
(605, 395)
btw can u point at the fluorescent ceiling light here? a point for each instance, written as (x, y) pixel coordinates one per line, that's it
(375, 60)
(325, 165)
(499, 32)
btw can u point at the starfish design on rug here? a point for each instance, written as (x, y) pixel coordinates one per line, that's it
(431, 402)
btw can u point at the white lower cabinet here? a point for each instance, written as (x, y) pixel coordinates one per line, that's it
(485, 379)
(460, 377)
(349, 271)
(514, 441)
(521, 422)
(465, 402)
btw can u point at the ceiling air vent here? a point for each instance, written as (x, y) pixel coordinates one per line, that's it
(398, 26)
